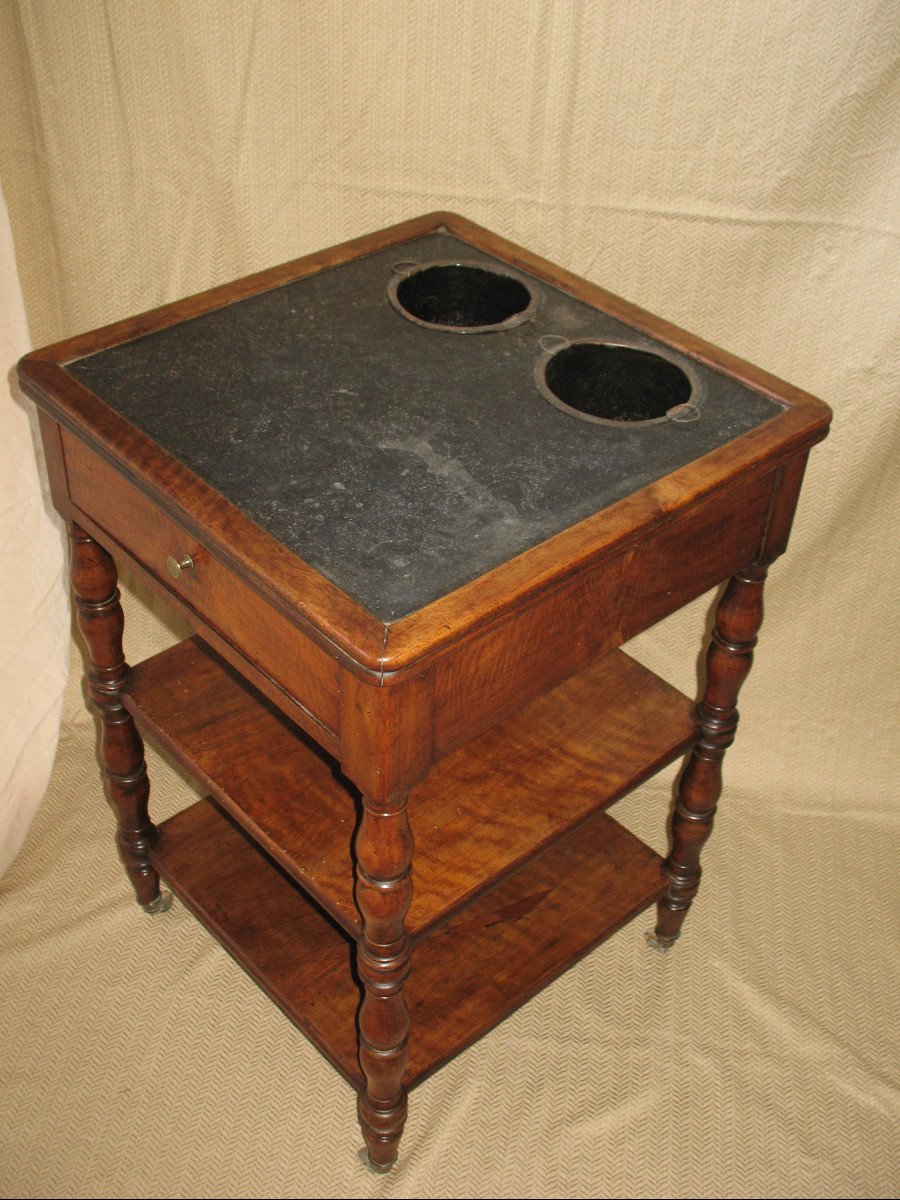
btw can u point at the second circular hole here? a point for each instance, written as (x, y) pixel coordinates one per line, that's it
(606, 382)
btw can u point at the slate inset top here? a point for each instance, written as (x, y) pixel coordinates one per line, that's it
(399, 461)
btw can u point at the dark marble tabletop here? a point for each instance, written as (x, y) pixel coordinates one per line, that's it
(399, 461)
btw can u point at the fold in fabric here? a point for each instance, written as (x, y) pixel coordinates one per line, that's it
(34, 625)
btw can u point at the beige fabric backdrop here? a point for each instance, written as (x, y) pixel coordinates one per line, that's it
(732, 167)
(34, 650)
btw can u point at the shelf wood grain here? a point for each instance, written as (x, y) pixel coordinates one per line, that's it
(478, 816)
(466, 977)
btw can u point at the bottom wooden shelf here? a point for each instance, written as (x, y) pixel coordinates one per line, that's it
(466, 977)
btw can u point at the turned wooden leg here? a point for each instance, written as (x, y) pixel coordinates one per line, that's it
(728, 662)
(384, 847)
(101, 622)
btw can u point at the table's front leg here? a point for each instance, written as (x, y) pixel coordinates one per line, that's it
(100, 619)
(386, 749)
(738, 618)
(384, 848)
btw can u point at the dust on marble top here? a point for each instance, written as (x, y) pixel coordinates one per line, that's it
(399, 461)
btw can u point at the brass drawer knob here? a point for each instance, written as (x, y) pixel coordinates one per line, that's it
(177, 566)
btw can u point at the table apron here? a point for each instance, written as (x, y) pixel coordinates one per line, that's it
(596, 610)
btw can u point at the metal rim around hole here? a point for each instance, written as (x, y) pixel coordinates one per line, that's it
(406, 269)
(686, 413)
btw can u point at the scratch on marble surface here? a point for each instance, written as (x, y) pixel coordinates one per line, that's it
(453, 470)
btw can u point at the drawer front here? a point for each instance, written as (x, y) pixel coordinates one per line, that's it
(209, 589)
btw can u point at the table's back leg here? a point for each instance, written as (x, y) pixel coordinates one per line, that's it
(94, 582)
(384, 848)
(738, 618)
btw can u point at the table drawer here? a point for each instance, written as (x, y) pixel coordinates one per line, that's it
(209, 589)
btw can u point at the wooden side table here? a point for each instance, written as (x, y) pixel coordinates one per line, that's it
(412, 494)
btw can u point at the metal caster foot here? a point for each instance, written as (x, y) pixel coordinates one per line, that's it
(161, 904)
(371, 1167)
(661, 945)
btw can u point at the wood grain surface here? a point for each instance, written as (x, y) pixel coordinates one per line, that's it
(470, 975)
(479, 814)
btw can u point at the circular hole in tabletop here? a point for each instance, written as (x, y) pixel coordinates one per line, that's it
(462, 297)
(613, 384)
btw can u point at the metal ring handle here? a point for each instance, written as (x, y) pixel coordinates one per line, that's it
(684, 414)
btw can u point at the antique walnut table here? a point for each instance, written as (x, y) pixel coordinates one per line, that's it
(412, 494)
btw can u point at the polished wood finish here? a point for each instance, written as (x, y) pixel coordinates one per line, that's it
(55, 459)
(486, 724)
(495, 954)
(384, 847)
(121, 749)
(481, 813)
(500, 665)
(738, 618)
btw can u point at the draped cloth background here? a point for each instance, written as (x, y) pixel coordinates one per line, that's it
(34, 655)
(730, 167)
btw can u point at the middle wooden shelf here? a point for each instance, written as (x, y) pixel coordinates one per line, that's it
(482, 812)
